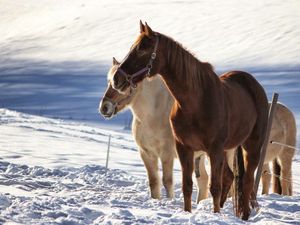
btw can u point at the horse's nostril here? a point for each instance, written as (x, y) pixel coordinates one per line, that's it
(107, 109)
(104, 109)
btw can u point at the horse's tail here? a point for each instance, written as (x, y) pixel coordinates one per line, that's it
(276, 180)
(238, 170)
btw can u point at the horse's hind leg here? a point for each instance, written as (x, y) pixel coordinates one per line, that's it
(227, 180)
(167, 167)
(151, 164)
(266, 179)
(201, 177)
(186, 157)
(286, 174)
(216, 156)
(251, 160)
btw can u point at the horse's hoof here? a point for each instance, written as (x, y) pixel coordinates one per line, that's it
(217, 210)
(245, 216)
(187, 209)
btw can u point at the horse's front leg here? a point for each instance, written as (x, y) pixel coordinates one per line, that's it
(151, 163)
(201, 177)
(216, 156)
(167, 161)
(186, 157)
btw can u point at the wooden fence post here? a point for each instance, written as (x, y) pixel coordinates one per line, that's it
(266, 142)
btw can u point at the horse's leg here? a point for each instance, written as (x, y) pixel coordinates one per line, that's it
(151, 164)
(216, 156)
(201, 177)
(186, 157)
(266, 179)
(167, 167)
(286, 175)
(227, 180)
(251, 160)
(277, 188)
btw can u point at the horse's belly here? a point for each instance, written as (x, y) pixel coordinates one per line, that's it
(186, 133)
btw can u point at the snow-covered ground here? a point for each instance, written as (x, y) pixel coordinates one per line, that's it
(53, 172)
(54, 56)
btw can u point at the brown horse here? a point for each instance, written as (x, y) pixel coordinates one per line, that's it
(210, 113)
(283, 131)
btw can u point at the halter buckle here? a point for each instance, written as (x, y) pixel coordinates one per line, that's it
(153, 55)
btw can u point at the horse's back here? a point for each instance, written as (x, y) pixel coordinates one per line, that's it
(245, 93)
(251, 85)
(248, 82)
(283, 131)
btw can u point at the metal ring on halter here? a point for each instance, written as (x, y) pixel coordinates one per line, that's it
(132, 84)
(129, 80)
(153, 55)
(149, 66)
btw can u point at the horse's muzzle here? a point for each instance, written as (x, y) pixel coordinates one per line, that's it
(107, 109)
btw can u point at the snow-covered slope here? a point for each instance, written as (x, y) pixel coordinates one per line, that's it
(231, 33)
(54, 56)
(53, 172)
(44, 44)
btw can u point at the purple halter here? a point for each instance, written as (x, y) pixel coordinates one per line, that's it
(133, 79)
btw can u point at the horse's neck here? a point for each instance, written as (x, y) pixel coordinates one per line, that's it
(183, 93)
(152, 101)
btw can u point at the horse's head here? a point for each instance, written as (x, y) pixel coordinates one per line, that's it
(143, 60)
(113, 101)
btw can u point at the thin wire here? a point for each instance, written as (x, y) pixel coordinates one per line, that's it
(282, 178)
(285, 145)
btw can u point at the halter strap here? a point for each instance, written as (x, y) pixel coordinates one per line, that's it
(133, 79)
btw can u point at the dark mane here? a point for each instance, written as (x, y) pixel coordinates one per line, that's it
(194, 71)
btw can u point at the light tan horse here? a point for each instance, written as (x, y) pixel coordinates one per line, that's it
(150, 127)
(283, 131)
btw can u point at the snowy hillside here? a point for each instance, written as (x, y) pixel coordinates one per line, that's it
(54, 56)
(53, 172)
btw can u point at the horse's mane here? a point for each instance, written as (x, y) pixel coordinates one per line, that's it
(185, 63)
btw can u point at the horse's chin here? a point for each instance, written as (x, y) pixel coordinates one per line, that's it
(108, 116)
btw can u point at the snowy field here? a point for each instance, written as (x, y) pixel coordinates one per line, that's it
(53, 172)
(54, 56)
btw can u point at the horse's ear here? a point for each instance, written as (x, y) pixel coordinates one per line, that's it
(115, 62)
(142, 27)
(148, 30)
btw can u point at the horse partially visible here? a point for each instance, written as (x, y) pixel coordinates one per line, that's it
(150, 126)
(283, 131)
(210, 113)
